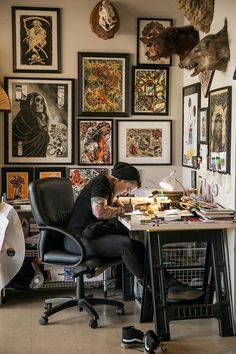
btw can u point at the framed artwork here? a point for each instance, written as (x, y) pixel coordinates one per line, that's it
(39, 127)
(203, 126)
(150, 90)
(36, 39)
(190, 120)
(95, 142)
(43, 172)
(234, 77)
(144, 142)
(15, 182)
(145, 28)
(220, 129)
(205, 78)
(103, 84)
(79, 177)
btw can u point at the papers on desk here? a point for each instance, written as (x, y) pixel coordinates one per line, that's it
(135, 212)
(163, 216)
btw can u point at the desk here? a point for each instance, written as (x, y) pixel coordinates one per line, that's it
(177, 232)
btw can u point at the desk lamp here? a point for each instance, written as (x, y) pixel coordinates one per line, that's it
(168, 183)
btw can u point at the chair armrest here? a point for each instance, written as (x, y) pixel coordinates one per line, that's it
(63, 233)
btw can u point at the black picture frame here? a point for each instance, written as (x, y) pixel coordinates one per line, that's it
(43, 172)
(95, 142)
(36, 39)
(103, 80)
(144, 142)
(143, 23)
(150, 93)
(203, 126)
(191, 103)
(15, 182)
(219, 149)
(44, 137)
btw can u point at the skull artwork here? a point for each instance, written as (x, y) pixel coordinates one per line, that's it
(211, 53)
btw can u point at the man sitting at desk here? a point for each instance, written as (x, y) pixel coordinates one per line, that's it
(97, 202)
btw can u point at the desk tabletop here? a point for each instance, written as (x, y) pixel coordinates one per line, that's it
(132, 223)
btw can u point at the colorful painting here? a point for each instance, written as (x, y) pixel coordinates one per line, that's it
(15, 182)
(39, 127)
(144, 142)
(79, 177)
(191, 105)
(44, 172)
(150, 90)
(220, 129)
(103, 84)
(95, 142)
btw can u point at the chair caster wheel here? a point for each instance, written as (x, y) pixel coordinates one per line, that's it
(93, 323)
(48, 306)
(43, 320)
(120, 311)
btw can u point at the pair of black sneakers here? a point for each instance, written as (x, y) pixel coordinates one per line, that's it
(132, 337)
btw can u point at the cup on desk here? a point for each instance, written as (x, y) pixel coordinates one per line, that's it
(165, 205)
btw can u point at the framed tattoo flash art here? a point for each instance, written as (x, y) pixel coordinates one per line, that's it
(146, 142)
(15, 182)
(205, 78)
(150, 90)
(36, 39)
(147, 29)
(203, 126)
(38, 130)
(220, 129)
(95, 142)
(103, 84)
(191, 105)
(43, 172)
(79, 177)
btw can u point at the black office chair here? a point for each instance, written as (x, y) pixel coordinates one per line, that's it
(51, 202)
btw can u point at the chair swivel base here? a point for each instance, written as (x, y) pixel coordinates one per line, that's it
(84, 304)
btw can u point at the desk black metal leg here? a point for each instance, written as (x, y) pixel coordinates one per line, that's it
(146, 314)
(158, 287)
(222, 287)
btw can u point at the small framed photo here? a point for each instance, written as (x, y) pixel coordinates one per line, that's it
(191, 105)
(103, 84)
(15, 182)
(144, 142)
(36, 39)
(220, 129)
(95, 142)
(147, 29)
(43, 172)
(205, 78)
(150, 90)
(79, 177)
(39, 128)
(203, 126)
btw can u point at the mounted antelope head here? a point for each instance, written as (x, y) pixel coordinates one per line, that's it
(104, 20)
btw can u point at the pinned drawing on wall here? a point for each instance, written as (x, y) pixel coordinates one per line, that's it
(220, 129)
(36, 39)
(205, 78)
(190, 121)
(40, 125)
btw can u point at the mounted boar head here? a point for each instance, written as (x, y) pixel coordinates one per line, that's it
(104, 20)
(198, 12)
(163, 42)
(211, 53)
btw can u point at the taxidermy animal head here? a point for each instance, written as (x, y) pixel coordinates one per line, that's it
(198, 12)
(104, 20)
(211, 53)
(163, 42)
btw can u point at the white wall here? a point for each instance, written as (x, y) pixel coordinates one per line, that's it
(226, 183)
(77, 36)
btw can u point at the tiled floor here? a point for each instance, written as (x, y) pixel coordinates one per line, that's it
(68, 332)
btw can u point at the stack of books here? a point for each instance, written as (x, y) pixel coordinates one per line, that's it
(216, 214)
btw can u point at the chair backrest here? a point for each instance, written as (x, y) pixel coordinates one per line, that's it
(51, 200)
